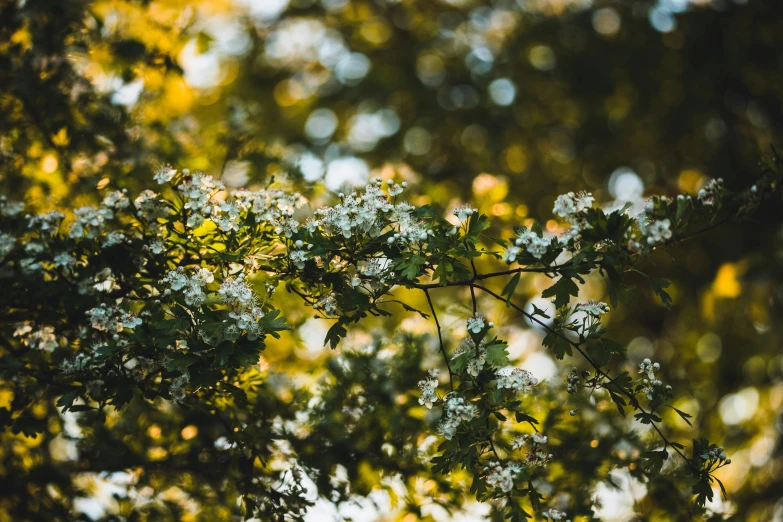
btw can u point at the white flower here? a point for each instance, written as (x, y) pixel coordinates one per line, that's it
(113, 238)
(710, 194)
(593, 308)
(427, 387)
(658, 232)
(298, 258)
(164, 174)
(572, 207)
(517, 379)
(157, 245)
(47, 222)
(501, 477)
(130, 321)
(64, 260)
(116, 199)
(10, 208)
(553, 514)
(537, 246)
(327, 303)
(7, 242)
(649, 368)
(43, 338)
(89, 221)
(150, 207)
(538, 438)
(511, 253)
(475, 324)
(455, 411)
(464, 212)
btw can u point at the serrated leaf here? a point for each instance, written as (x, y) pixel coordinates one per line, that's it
(559, 346)
(497, 355)
(658, 285)
(562, 291)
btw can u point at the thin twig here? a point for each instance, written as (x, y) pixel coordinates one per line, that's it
(440, 339)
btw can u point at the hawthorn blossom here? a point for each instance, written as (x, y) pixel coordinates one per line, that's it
(427, 387)
(501, 477)
(464, 212)
(553, 514)
(593, 308)
(517, 379)
(475, 324)
(658, 232)
(164, 174)
(572, 206)
(710, 194)
(455, 411)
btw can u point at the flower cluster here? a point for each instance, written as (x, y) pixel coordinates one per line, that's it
(517, 379)
(369, 213)
(327, 303)
(89, 221)
(553, 514)
(111, 319)
(245, 308)
(502, 477)
(658, 232)
(7, 242)
(192, 286)
(710, 194)
(150, 207)
(464, 212)
(48, 222)
(455, 411)
(652, 386)
(572, 207)
(535, 244)
(537, 456)
(43, 338)
(593, 308)
(476, 355)
(427, 387)
(714, 454)
(197, 193)
(572, 381)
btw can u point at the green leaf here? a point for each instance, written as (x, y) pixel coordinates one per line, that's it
(538, 311)
(562, 291)
(335, 333)
(559, 346)
(66, 400)
(658, 285)
(685, 416)
(497, 355)
(179, 361)
(510, 288)
(703, 491)
(652, 461)
(410, 268)
(524, 417)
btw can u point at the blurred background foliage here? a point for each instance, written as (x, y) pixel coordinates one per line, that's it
(504, 103)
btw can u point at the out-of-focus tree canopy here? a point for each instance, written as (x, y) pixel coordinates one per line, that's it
(504, 104)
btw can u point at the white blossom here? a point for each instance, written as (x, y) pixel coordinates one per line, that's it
(427, 387)
(455, 411)
(517, 379)
(475, 323)
(164, 174)
(593, 308)
(658, 232)
(464, 212)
